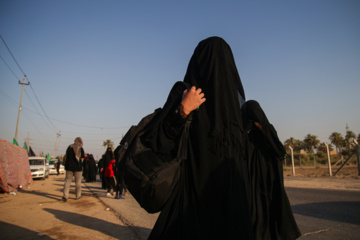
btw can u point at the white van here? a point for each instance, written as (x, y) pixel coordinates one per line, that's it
(39, 167)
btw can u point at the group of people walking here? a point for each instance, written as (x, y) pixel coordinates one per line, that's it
(78, 165)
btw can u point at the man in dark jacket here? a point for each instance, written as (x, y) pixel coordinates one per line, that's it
(73, 167)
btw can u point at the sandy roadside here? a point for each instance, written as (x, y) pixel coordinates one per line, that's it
(37, 213)
(323, 183)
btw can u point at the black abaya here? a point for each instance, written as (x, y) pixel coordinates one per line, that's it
(272, 217)
(212, 199)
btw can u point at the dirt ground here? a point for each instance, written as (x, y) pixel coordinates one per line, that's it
(316, 172)
(37, 213)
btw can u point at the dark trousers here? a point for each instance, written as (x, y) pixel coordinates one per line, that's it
(110, 184)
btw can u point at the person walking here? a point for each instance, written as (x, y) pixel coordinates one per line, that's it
(85, 163)
(58, 166)
(108, 156)
(92, 168)
(214, 197)
(110, 178)
(73, 167)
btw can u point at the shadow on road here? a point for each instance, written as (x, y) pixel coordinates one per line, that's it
(57, 196)
(95, 224)
(10, 231)
(347, 212)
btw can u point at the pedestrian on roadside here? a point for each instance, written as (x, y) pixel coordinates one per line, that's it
(110, 178)
(92, 168)
(86, 168)
(58, 166)
(108, 156)
(101, 166)
(73, 166)
(213, 198)
(120, 184)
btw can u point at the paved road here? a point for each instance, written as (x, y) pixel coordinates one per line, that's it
(326, 214)
(320, 213)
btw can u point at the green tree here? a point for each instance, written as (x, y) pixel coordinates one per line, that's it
(296, 144)
(108, 143)
(311, 143)
(349, 140)
(289, 143)
(322, 147)
(336, 139)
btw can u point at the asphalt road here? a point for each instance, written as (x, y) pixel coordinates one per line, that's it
(326, 214)
(320, 213)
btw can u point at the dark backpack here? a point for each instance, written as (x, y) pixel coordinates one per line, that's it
(148, 176)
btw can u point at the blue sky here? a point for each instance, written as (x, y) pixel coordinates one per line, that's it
(97, 67)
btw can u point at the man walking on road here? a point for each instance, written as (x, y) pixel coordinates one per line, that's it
(73, 167)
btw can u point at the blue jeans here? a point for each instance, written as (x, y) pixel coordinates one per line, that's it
(68, 179)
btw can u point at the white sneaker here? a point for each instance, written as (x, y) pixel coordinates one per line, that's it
(109, 194)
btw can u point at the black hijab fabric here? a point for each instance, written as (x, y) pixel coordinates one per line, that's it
(212, 199)
(272, 217)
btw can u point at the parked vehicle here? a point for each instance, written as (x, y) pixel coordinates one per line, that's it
(52, 167)
(39, 167)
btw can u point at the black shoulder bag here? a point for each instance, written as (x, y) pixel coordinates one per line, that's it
(149, 177)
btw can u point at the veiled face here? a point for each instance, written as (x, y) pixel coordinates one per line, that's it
(212, 68)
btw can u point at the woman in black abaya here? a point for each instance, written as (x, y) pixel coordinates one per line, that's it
(213, 197)
(108, 156)
(271, 213)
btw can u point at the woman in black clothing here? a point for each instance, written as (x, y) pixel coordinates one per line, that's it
(214, 196)
(108, 156)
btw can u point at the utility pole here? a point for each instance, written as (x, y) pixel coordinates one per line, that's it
(58, 135)
(18, 118)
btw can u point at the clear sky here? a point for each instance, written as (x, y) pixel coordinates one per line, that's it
(97, 67)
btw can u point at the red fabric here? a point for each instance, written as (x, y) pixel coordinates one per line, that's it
(14, 167)
(110, 169)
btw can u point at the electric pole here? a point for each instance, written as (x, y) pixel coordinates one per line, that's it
(18, 118)
(58, 135)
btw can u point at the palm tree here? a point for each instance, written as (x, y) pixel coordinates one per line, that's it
(289, 143)
(296, 144)
(108, 143)
(311, 143)
(336, 139)
(323, 148)
(349, 140)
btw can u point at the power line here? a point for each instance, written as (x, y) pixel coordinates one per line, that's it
(69, 123)
(12, 55)
(9, 68)
(37, 110)
(43, 108)
(28, 81)
(8, 97)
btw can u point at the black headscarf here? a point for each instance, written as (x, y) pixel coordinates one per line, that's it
(212, 68)
(109, 155)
